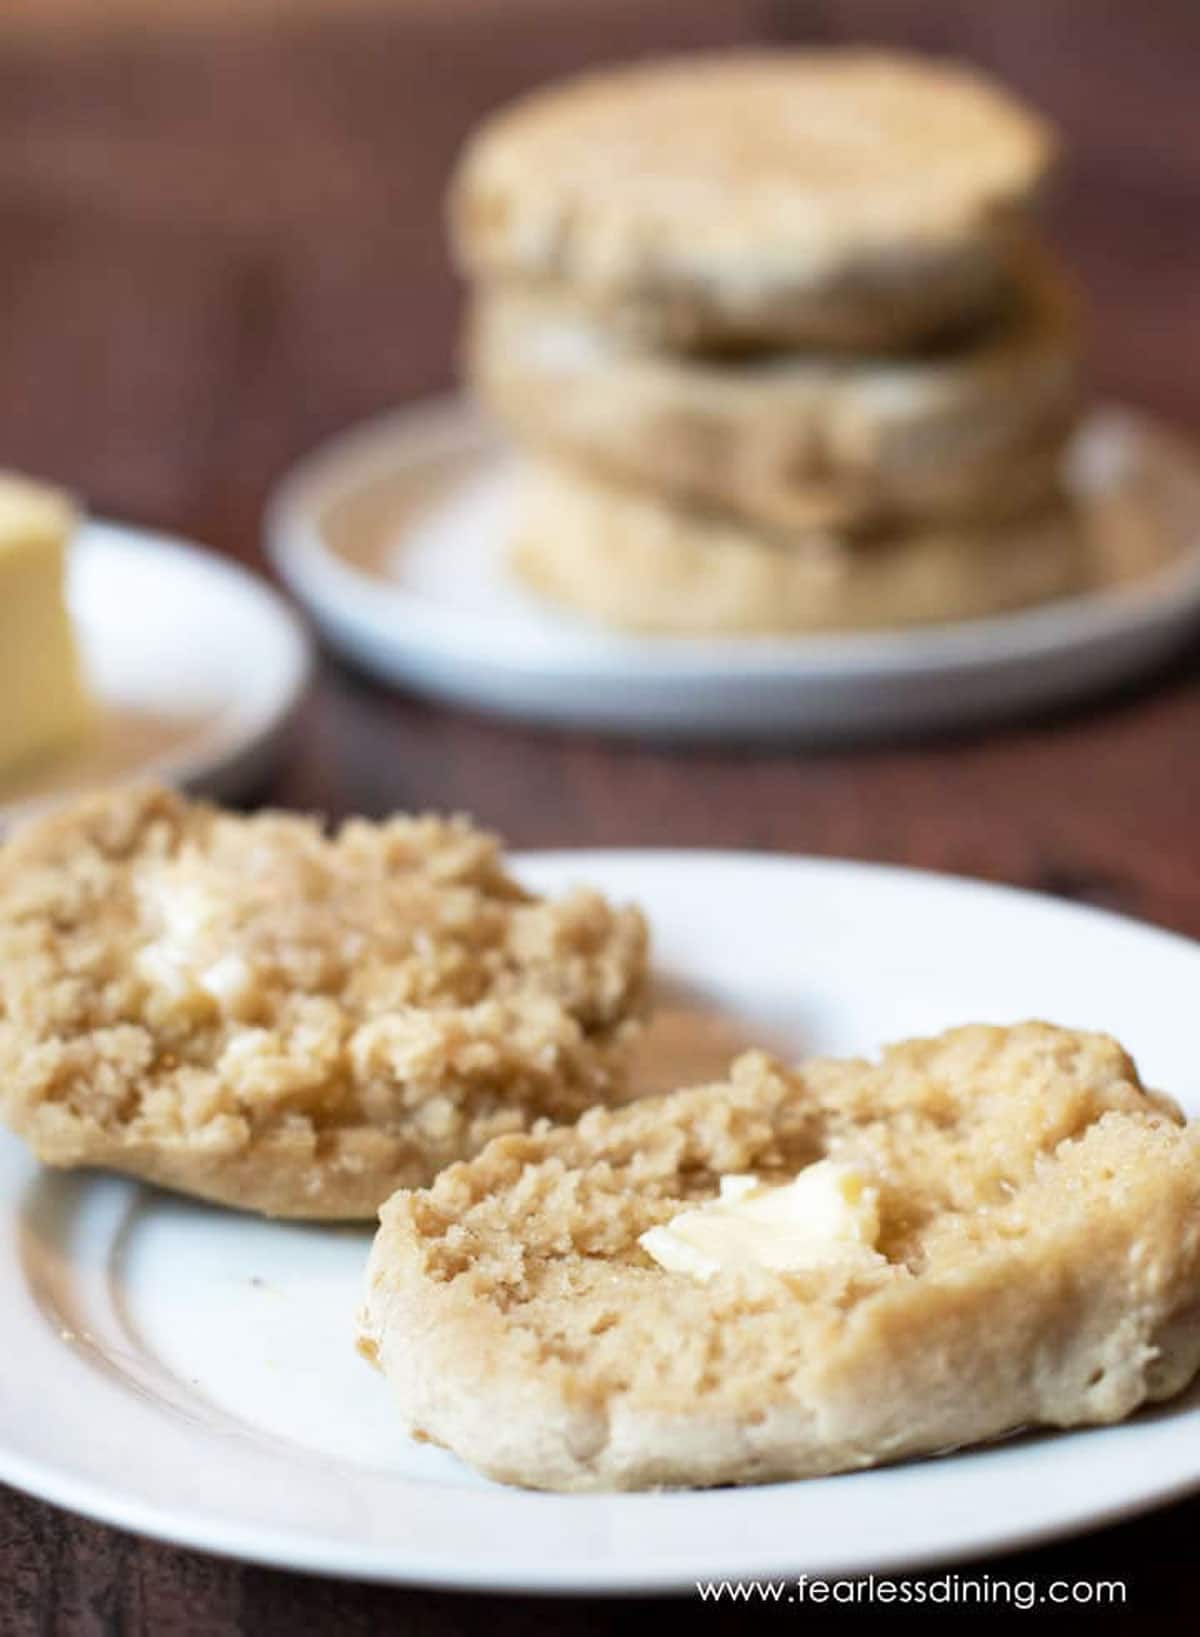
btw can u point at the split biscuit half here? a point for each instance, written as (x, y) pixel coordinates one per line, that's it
(1026, 1253)
(261, 1013)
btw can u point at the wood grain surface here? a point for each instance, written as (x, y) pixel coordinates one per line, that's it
(222, 242)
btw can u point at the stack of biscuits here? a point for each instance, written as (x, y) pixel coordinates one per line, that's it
(778, 342)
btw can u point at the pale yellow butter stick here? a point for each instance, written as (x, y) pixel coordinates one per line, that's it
(43, 702)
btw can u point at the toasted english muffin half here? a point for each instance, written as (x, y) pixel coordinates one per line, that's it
(626, 558)
(819, 197)
(263, 1013)
(795, 441)
(1020, 1248)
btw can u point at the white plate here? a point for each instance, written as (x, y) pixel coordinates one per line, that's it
(188, 1373)
(393, 537)
(194, 664)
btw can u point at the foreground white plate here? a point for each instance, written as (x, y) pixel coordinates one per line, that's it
(188, 1373)
(195, 667)
(394, 536)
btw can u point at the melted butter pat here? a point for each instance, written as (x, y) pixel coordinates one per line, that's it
(184, 957)
(826, 1216)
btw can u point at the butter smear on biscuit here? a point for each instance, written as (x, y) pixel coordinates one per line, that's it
(828, 1214)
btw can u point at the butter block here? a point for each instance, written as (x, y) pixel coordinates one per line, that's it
(43, 703)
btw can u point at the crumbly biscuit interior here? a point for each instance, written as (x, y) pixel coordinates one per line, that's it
(178, 974)
(993, 1150)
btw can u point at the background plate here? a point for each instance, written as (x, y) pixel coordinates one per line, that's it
(393, 537)
(189, 1373)
(195, 666)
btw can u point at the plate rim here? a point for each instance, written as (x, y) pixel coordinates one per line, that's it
(280, 1549)
(426, 429)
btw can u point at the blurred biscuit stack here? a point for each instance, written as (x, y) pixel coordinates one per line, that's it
(778, 341)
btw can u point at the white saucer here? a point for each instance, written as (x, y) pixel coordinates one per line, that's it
(393, 537)
(194, 664)
(189, 1373)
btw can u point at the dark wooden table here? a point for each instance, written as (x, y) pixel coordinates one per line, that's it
(221, 242)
